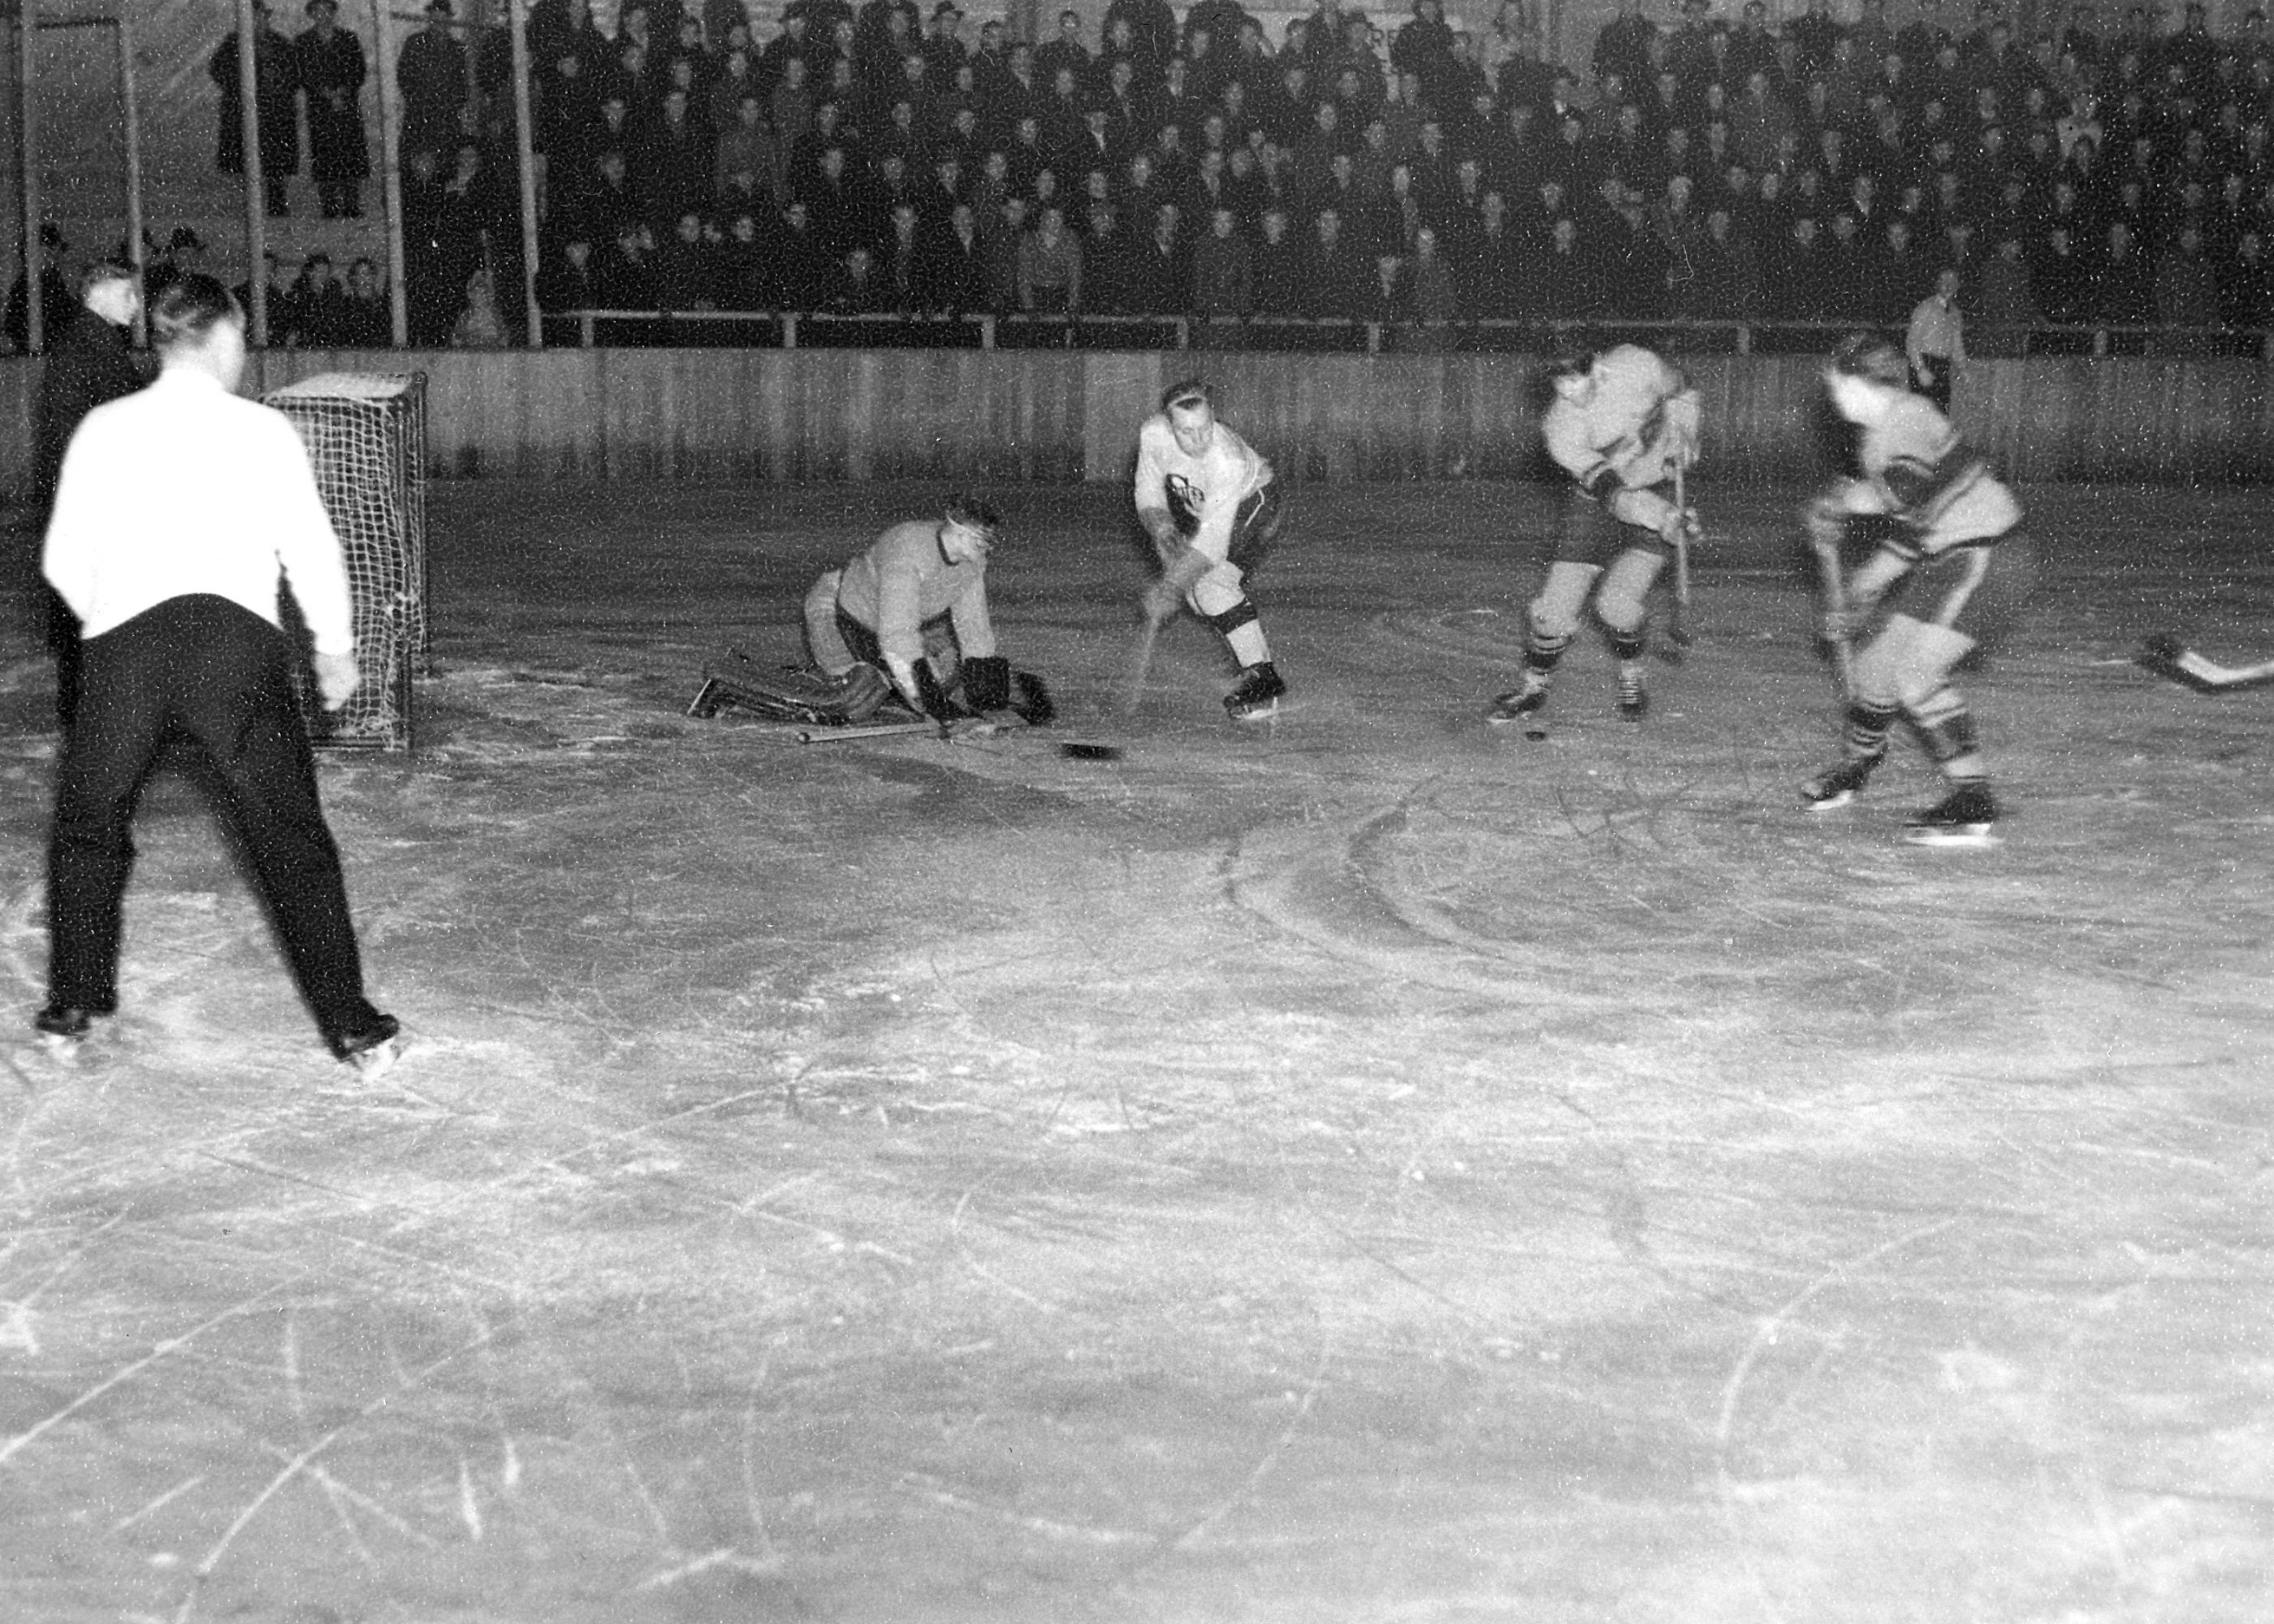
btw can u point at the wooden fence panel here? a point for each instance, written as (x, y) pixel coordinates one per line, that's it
(1060, 416)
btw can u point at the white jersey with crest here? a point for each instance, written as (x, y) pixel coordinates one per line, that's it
(1620, 428)
(1208, 489)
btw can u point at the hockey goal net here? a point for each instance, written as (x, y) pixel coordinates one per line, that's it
(366, 439)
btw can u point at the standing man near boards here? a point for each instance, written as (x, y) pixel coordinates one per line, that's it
(89, 362)
(177, 510)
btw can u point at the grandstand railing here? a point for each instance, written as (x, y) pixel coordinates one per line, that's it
(792, 329)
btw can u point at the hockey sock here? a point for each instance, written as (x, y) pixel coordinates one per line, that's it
(1865, 737)
(1946, 728)
(1626, 645)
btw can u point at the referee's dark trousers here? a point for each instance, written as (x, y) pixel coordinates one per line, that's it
(201, 666)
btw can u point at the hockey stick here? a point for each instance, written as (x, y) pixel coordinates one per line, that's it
(1676, 620)
(1835, 604)
(2167, 657)
(1140, 666)
(973, 727)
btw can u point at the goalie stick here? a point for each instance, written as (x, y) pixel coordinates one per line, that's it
(2167, 657)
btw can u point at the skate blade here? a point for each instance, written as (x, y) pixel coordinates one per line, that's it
(1830, 803)
(1261, 713)
(1963, 837)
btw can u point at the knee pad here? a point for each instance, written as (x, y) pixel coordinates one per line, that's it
(1232, 620)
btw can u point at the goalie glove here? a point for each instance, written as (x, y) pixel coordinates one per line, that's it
(987, 682)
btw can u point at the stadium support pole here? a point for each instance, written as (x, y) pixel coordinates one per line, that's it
(525, 148)
(27, 105)
(256, 209)
(130, 109)
(390, 178)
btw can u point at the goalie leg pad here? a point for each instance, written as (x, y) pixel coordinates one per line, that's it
(790, 694)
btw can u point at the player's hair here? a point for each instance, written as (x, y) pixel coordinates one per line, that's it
(101, 272)
(1870, 355)
(1573, 352)
(969, 511)
(189, 309)
(1186, 395)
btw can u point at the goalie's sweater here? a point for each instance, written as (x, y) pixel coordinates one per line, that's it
(904, 580)
(1204, 492)
(185, 489)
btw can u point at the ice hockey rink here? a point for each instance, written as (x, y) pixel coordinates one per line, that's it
(1360, 1167)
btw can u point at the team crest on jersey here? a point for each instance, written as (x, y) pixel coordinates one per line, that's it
(1187, 498)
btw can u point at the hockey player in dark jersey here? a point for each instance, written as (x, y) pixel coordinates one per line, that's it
(1621, 422)
(1950, 574)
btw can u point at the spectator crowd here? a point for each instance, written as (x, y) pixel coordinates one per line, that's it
(2098, 172)
(1709, 166)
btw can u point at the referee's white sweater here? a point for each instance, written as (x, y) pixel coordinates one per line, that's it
(185, 488)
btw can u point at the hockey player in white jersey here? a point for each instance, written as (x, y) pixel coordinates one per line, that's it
(1208, 502)
(1621, 421)
(1951, 572)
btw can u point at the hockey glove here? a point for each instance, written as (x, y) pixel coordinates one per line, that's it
(1825, 519)
(935, 703)
(1033, 706)
(987, 682)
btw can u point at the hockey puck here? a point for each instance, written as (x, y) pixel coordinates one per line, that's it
(1090, 752)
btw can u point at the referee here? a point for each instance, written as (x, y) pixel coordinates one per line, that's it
(1935, 344)
(176, 510)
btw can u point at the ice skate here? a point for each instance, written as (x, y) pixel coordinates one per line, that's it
(1966, 816)
(1836, 786)
(63, 1028)
(370, 1050)
(1256, 694)
(1527, 704)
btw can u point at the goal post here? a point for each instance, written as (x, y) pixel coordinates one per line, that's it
(367, 440)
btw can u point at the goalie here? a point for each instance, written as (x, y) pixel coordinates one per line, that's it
(1621, 423)
(906, 619)
(1951, 570)
(914, 608)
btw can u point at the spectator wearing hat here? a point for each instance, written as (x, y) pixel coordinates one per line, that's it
(332, 72)
(430, 74)
(56, 299)
(275, 85)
